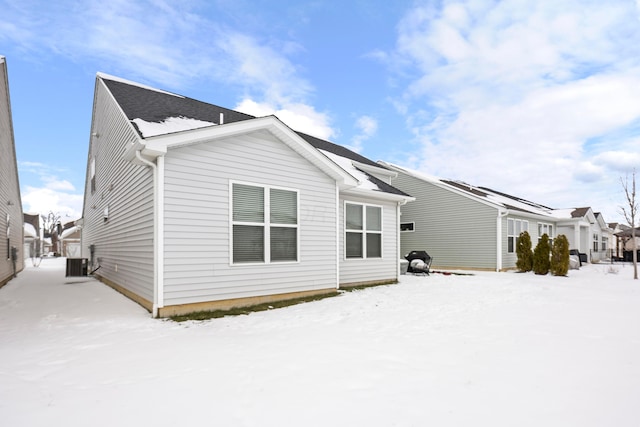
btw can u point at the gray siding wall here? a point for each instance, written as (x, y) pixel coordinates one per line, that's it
(456, 231)
(197, 224)
(9, 187)
(354, 271)
(123, 244)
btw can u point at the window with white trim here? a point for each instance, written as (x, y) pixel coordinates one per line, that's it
(264, 224)
(596, 242)
(544, 228)
(514, 228)
(605, 243)
(363, 231)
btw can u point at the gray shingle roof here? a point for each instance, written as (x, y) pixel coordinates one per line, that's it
(154, 106)
(151, 105)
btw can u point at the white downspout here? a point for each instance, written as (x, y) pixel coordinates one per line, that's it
(337, 236)
(398, 241)
(157, 299)
(501, 214)
(160, 229)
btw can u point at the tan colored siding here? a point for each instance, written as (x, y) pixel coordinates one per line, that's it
(10, 206)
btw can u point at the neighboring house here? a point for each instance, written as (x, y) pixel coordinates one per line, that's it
(30, 241)
(466, 227)
(617, 244)
(70, 240)
(32, 236)
(624, 242)
(11, 228)
(189, 206)
(607, 239)
(586, 231)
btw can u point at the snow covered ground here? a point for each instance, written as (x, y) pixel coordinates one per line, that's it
(493, 349)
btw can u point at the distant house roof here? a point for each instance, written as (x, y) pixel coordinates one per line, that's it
(30, 230)
(579, 212)
(627, 232)
(155, 112)
(486, 195)
(498, 198)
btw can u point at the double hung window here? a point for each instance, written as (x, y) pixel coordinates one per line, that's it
(545, 229)
(514, 228)
(363, 231)
(265, 224)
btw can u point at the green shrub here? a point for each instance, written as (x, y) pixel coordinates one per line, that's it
(541, 256)
(560, 256)
(524, 252)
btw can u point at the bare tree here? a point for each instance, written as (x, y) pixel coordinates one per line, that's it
(630, 212)
(52, 228)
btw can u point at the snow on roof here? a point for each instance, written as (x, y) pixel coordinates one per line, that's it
(69, 231)
(169, 125)
(30, 230)
(563, 213)
(132, 83)
(482, 193)
(347, 165)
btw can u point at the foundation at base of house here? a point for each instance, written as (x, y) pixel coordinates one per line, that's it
(228, 304)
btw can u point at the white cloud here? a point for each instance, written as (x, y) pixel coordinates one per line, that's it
(47, 192)
(621, 161)
(527, 98)
(297, 116)
(367, 127)
(43, 200)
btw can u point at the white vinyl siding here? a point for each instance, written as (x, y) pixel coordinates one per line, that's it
(198, 235)
(118, 215)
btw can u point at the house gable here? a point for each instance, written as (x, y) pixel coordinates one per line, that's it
(11, 218)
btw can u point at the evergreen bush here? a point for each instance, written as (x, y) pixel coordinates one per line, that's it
(541, 262)
(560, 256)
(524, 252)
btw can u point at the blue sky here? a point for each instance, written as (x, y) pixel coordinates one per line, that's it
(537, 99)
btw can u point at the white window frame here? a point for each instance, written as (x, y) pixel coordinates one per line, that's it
(364, 231)
(266, 225)
(519, 226)
(596, 242)
(546, 228)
